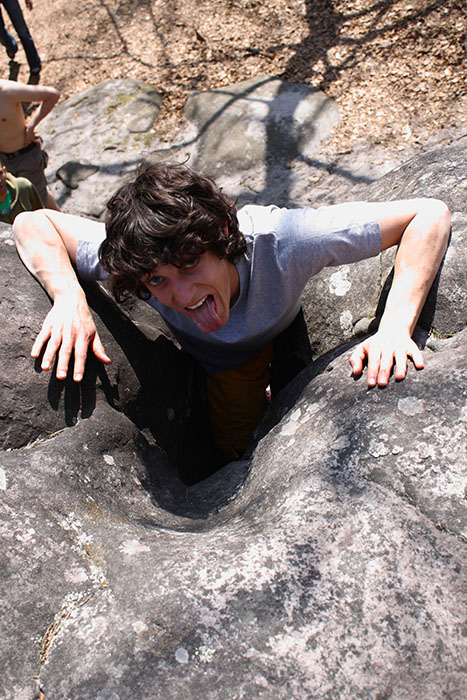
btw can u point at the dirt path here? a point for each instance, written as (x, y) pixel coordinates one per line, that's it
(396, 68)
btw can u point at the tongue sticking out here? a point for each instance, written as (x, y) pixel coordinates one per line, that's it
(205, 316)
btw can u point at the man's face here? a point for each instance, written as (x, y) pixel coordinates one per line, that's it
(203, 290)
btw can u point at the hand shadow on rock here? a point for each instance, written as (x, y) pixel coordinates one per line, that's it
(79, 398)
(169, 400)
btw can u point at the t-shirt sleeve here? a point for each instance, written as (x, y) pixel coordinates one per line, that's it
(328, 236)
(87, 261)
(299, 243)
(28, 194)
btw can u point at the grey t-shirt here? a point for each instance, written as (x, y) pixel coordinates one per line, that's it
(285, 247)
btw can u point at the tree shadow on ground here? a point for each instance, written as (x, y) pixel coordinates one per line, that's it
(325, 25)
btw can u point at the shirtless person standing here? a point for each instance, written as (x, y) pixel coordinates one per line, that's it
(20, 149)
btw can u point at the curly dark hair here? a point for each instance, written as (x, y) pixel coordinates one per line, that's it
(168, 214)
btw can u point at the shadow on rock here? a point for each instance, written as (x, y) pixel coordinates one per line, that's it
(167, 402)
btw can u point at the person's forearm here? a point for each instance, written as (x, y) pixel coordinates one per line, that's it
(418, 259)
(44, 108)
(44, 254)
(47, 244)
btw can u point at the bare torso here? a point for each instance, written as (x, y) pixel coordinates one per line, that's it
(12, 128)
(12, 122)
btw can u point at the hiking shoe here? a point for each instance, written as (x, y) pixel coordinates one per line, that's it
(34, 78)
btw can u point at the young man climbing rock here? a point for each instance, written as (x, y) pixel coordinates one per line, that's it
(227, 282)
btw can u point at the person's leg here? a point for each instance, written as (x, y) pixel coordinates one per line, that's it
(237, 401)
(16, 15)
(7, 40)
(237, 398)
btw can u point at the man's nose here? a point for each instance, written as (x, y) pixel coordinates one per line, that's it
(183, 292)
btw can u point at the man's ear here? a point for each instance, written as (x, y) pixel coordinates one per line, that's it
(226, 229)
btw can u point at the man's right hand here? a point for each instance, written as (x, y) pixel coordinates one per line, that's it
(68, 328)
(47, 242)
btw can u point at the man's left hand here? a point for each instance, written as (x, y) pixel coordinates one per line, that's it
(383, 351)
(30, 136)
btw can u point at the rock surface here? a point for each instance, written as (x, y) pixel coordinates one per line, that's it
(258, 126)
(330, 563)
(96, 138)
(113, 125)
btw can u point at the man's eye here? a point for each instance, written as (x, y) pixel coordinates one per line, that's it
(154, 281)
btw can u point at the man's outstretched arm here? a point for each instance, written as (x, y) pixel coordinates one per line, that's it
(420, 228)
(47, 243)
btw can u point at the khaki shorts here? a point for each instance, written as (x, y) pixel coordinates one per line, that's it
(237, 398)
(237, 401)
(29, 162)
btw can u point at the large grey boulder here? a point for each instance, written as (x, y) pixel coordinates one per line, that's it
(97, 138)
(244, 133)
(402, 437)
(441, 173)
(323, 578)
(252, 130)
(261, 138)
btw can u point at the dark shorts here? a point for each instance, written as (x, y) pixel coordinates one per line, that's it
(29, 162)
(237, 401)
